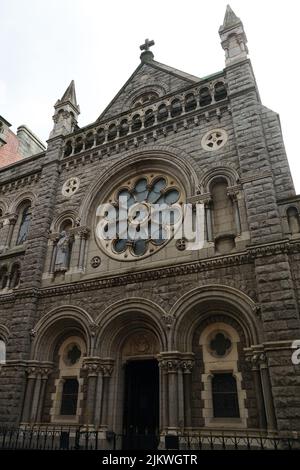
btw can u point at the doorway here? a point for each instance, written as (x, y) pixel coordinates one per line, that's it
(141, 405)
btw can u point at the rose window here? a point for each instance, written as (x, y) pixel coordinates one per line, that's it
(140, 217)
(214, 139)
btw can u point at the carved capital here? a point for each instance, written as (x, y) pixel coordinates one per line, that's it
(187, 366)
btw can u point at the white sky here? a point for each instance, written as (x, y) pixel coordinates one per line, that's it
(45, 44)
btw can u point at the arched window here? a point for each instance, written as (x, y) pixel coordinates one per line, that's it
(65, 398)
(223, 390)
(68, 148)
(3, 277)
(225, 396)
(143, 99)
(100, 136)
(69, 397)
(136, 123)
(293, 220)
(220, 91)
(162, 113)
(78, 145)
(112, 132)
(124, 127)
(2, 352)
(149, 118)
(205, 97)
(24, 225)
(15, 276)
(176, 108)
(190, 102)
(89, 141)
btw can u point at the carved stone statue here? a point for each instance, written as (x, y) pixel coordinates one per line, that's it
(63, 251)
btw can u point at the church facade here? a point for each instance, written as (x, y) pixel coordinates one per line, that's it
(152, 336)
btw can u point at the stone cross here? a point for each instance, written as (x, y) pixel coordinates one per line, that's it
(146, 46)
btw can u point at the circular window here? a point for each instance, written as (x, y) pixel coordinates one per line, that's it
(139, 217)
(72, 354)
(219, 344)
(214, 139)
(70, 187)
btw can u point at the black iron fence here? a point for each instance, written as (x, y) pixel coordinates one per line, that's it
(77, 438)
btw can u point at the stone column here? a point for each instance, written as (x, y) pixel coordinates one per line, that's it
(253, 362)
(30, 386)
(233, 194)
(83, 234)
(12, 222)
(107, 368)
(99, 397)
(53, 253)
(208, 219)
(187, 365)
(267, 393)
(170, 363)
(91, 365)
(44, 378)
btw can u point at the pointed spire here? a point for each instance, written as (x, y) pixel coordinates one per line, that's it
(70, 94)
(66, 112)
(233, 37)
(230, 18)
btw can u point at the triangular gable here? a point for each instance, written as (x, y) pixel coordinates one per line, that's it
(152, 75)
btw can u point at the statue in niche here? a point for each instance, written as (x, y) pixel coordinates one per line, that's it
(63, 251)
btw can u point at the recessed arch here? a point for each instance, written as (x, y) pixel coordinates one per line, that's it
(198, 304)
(175, 162)
(20, 200)
(57, 322)
(123, 318)
(60, 218)
(4, 333)
(226, 173)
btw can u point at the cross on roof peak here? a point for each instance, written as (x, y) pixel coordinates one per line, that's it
(147, 44)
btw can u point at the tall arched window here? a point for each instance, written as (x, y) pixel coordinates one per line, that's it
(223, 394)
(24, 225)
(15, 276)
(68, 383)
(3, 277)
(2, 352)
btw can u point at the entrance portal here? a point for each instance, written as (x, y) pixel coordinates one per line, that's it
(141, 405)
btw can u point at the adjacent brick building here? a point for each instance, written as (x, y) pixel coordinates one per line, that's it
(150, 337)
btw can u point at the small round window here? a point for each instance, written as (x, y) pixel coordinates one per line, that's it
(214, 139)
(72, 354)
(219, 344)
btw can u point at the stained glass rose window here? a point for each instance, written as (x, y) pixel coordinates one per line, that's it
(140, 217)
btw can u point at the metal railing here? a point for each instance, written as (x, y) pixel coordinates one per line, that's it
(78, 438)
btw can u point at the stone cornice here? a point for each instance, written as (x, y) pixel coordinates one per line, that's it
(245, 257)
(23, 180)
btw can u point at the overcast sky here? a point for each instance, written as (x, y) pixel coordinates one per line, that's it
(45, 44)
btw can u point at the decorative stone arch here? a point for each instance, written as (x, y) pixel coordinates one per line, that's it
(3, 207)
(122, 318)
(59, 219)
(161, 89)
(197, 305)
(56, 322)
(21, 198)
(4, 333)
(159, 158)
(219, 172)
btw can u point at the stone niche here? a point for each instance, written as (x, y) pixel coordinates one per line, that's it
(225, 243)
